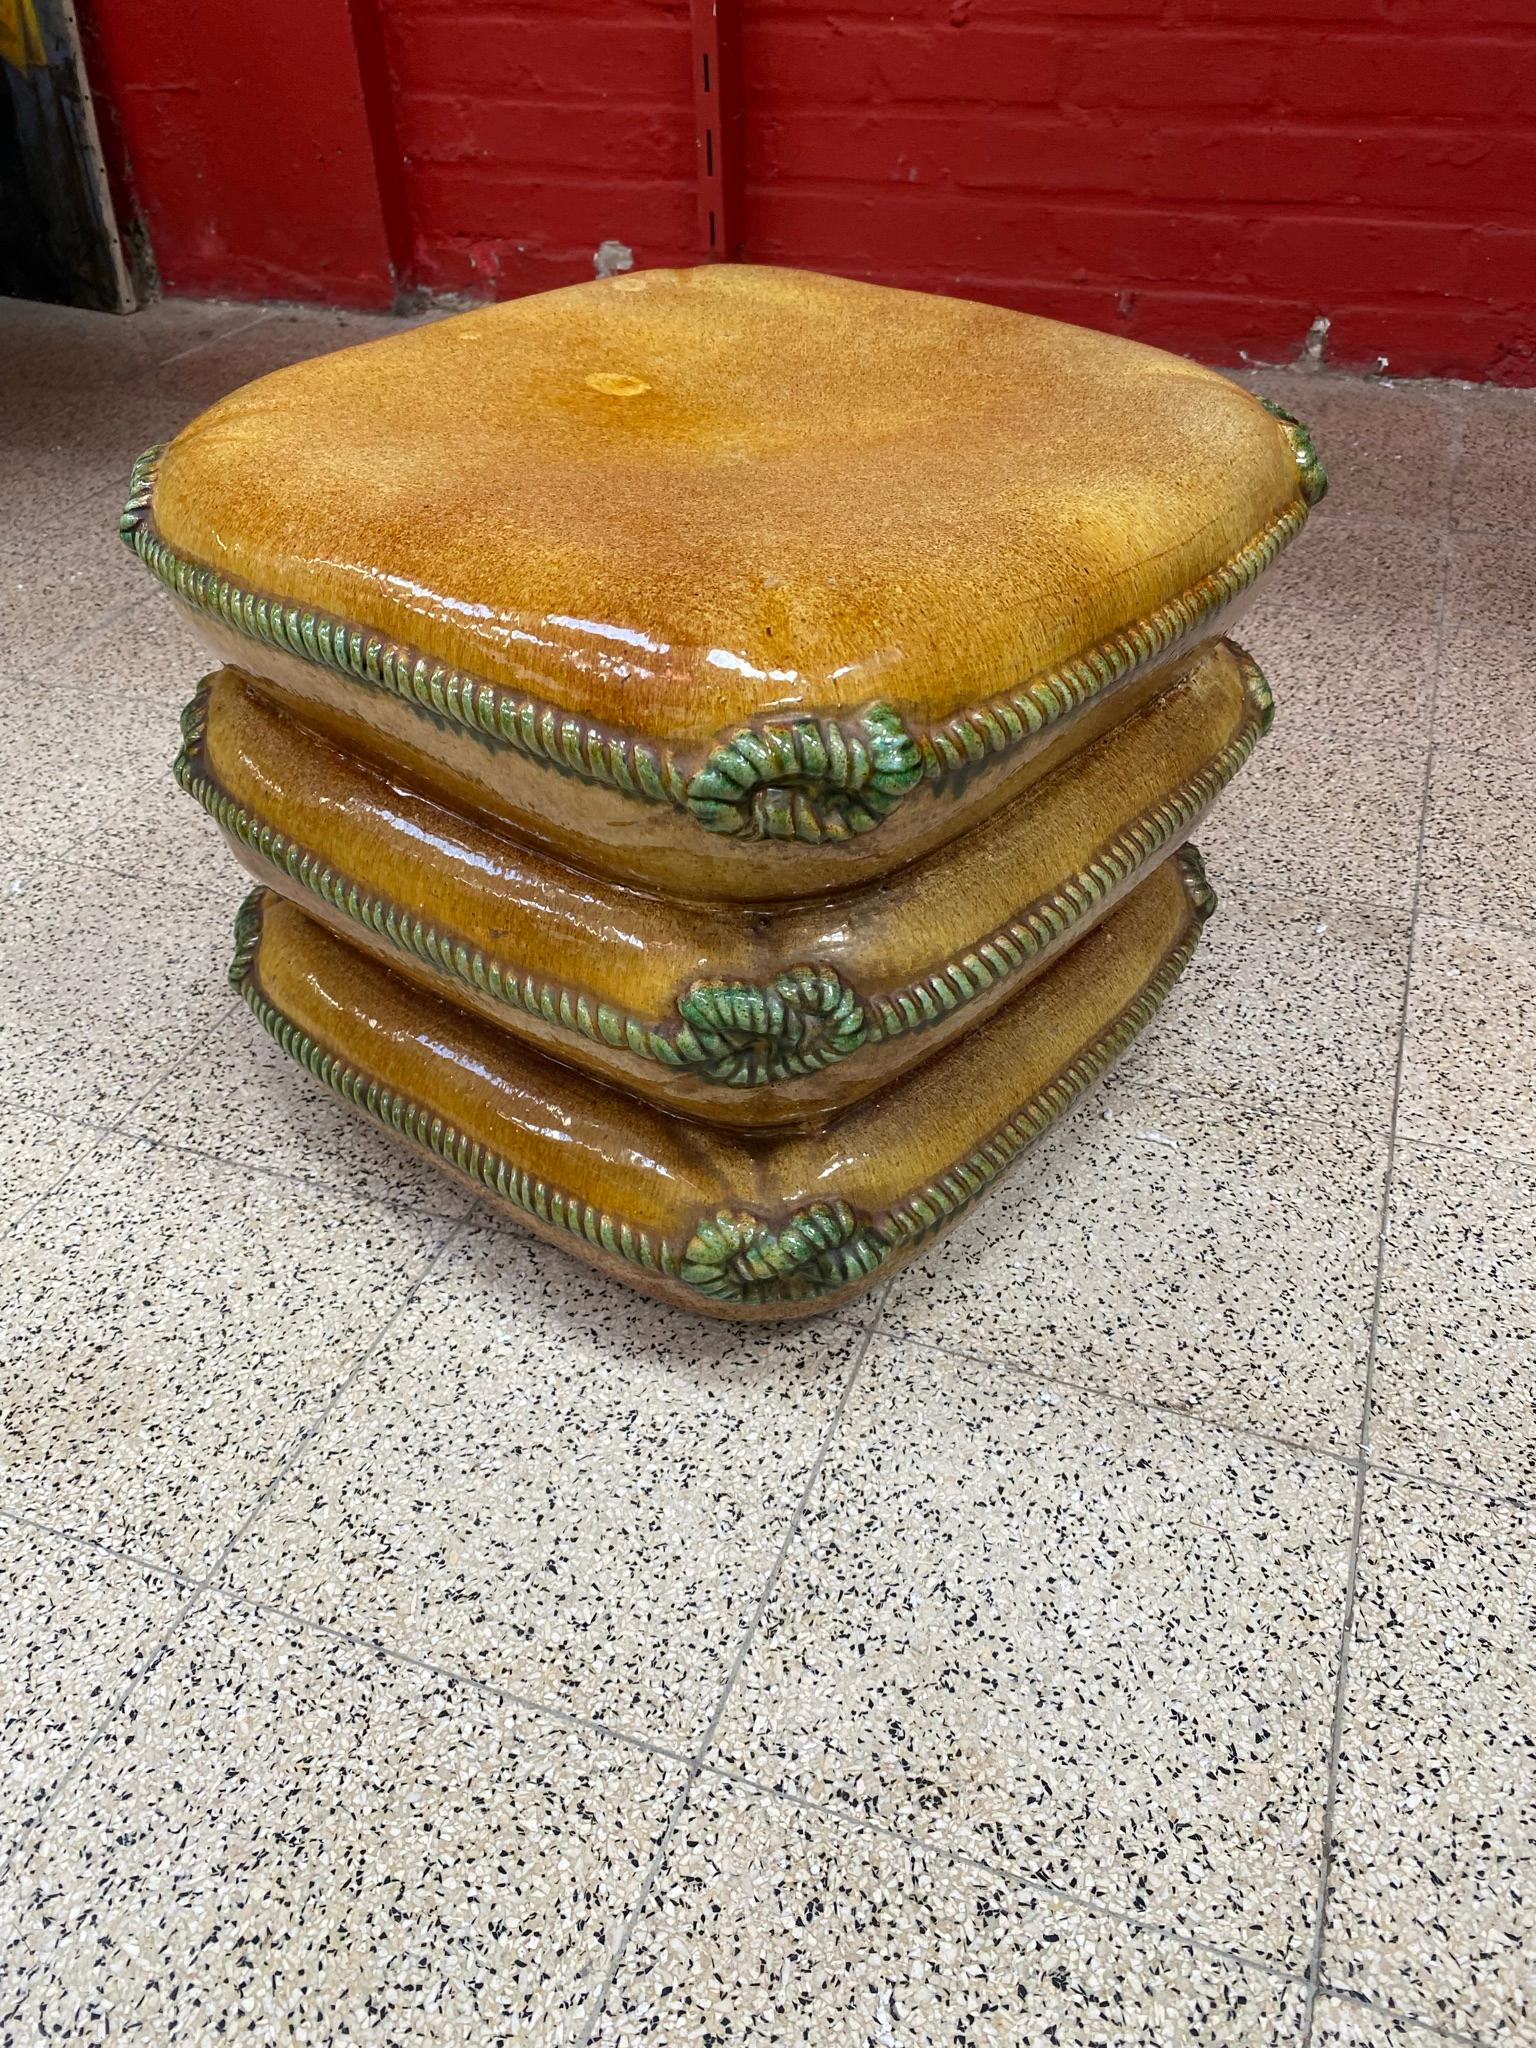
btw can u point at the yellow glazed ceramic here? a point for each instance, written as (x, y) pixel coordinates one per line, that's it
(750, 1016)
(716, 748)
(752, 1227)
(732, 582)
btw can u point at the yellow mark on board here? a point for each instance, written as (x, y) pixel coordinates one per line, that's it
(615, 384)
(21, 40)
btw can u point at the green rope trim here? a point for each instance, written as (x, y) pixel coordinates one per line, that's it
(811, 779)
(731, 1033)
(744, 1036)
(434, 1133)
(444, 694)
(1309, 466)
(1197, 882)
(734, 1256)
(1006, 722)
(1010, 949)
(734, 1033)
(944, 1199)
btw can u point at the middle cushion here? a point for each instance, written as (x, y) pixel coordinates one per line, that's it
(753, 1015)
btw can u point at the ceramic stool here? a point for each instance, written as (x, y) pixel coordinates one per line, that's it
(717, 748)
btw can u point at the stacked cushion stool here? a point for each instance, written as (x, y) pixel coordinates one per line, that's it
(717, 749)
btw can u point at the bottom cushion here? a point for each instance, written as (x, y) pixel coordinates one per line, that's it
(734, 1225)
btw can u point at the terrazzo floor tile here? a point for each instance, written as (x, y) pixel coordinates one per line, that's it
(1479, 850)
(59, 575)
(74, 1626)
(1349, 632)
(554, 1486)
(144, 649)
(244, 1100)
(1348, 2023)
(1090, 1646)
(79, 403)
(44, 347)
(1288, 1005)
(61, 463)
(1310, 820)
(1469, 1056)
(75, 449)
(83, 415)
(91, 775)
(1432, 1905)
(66, 385)
(1389, 446)
(1487, 697)
(1456, 1335)
(772, 1924)
(99, 977)
(290, 1840)
(1172, 1251)
(40, 1151)
(290, 334)
(1496, 486)
(175, 327)
(168, 1326)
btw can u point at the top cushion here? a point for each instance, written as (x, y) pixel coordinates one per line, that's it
(749, 550)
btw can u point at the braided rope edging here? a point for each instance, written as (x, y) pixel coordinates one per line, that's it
(735, 1256)
(432, 1132)
(442, 693)
(944, 1198)
(557, 1006)
(720, 1020)
(811, 778)
(1008, 950)
(1006, 721)
(718, 1023)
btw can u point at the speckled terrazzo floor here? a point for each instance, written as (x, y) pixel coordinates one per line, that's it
(1120, 1632)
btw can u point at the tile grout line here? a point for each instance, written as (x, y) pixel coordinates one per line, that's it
(1490, 750)
(1352, 1461)
(641, 1900)
(1396, 2017)
(1474, 1148)
(15, 1225)
(35, 1826)
(201, 1590)
(123, 1129)
(388, 1653)
(1352, 1573)
(1490, 1496)
(209, 1585)
(267, 312)
(1120, 1096)
(115, 1553)
(849, 1823)
(1016, 1368)
(247, 1167)
(452, 1231)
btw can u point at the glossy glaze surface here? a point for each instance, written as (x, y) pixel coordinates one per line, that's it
(734, 582)
(805, 492)
(750, 1017)
(721, 1222)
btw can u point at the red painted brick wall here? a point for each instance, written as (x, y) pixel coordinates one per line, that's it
(1212, 175)
(534, 132)
(246, 145)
